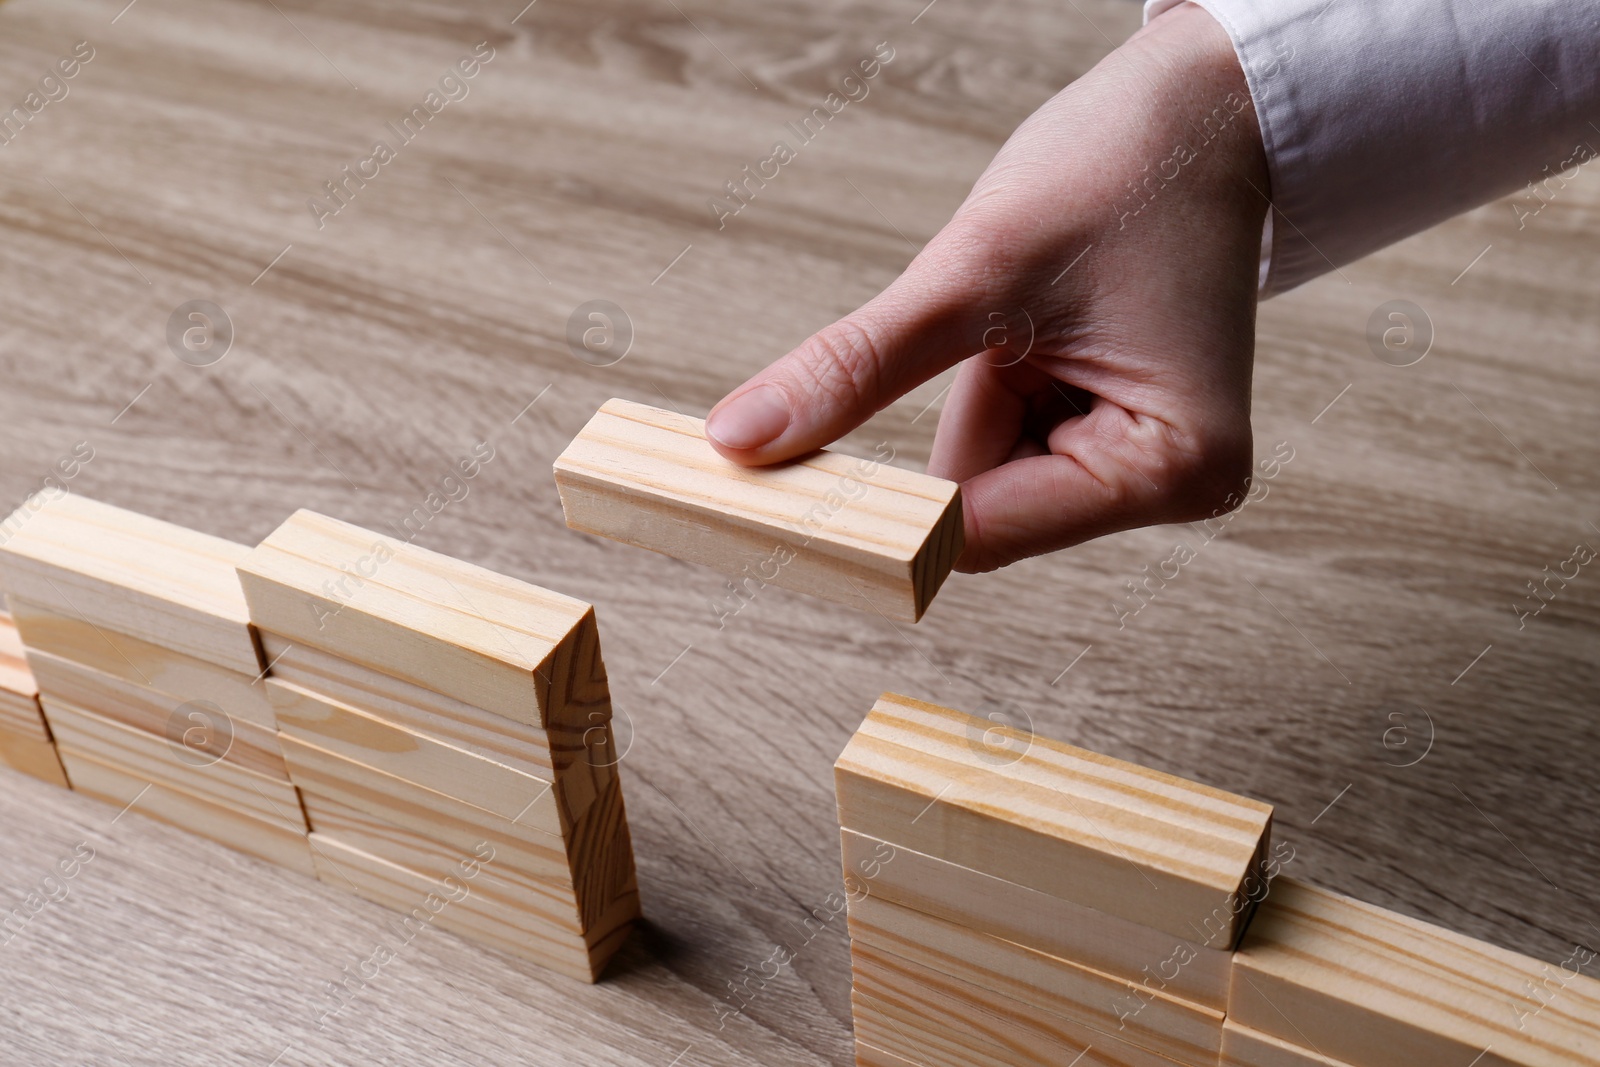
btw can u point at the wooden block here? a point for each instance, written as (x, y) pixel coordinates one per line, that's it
(1353, 982)
(1112, 1006)
(242, 696)
(494, 642)
(830, 525)
(595, 859)
(270, 841)
(1244, 1047)
(1159, 961)
(867, 1056)
(553, 899)
(121, 571)
(171, 718)
(563, 753)
(536, 811)
(938, 1021)
(428, 901)
(19, 693)
(1147, 847)
(152, 758)
(32, 756)
(418, 758)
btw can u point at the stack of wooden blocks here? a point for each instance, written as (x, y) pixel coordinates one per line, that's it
(1016, 901)
(444, 722)
(150, 674)
(385, 718)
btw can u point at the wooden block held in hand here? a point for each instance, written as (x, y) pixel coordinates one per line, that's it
(1359, 984)
(171, 718)
(1145, 846)
(458, 629)
(242, 696)
(855, 531)
(274, 841)
(1171, 965)
(164, 584)
(32, 756)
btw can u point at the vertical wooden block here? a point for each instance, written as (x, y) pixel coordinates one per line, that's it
(121, 571)
(20, 713)
(487, 640)
(1131, 842)
(1355, 983)
(856, 531)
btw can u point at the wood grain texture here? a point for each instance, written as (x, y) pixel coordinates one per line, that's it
(242, 696)
(379, 349)
(19, 693)
(565, 751)
(31, 755)
(854, 530)
(154, 758)
(594, 855)
(454, 907)
(940, 1021)
(165, 717)
(271, 841)
(1244, 1047)
(1049, 985)
(124, 571)
(459, 629)
(1354, 982)
(981, 902)
(404, 753)
(1104, 833)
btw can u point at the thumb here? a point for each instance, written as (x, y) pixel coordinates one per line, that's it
(847, 372)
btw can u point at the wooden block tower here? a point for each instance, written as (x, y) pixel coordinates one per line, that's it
(25, 741)
(1016, 902)
(149, 672)
(450, 732)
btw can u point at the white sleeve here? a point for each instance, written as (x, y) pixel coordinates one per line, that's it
(1383, 117)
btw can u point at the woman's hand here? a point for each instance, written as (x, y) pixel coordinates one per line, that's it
(1100, 284)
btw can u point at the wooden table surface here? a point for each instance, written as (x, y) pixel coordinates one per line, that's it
(1348, 647)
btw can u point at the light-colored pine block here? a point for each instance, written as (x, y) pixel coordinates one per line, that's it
(122, 571)
(537, 812)
(171, 718)
(1155, 960)
(487, 640)
(1353, 982)
(581, 760)
(19, 693)
(1113, 1006)
(935, 1020)
(552, 899)
(32, 756)
(242, 696)
(855, 531)
(1145, 846)
(403, 820)
(270, 841)
(152, 758)
(867, 1056)
(467, 776)
(454, 906)
(1244, 1047)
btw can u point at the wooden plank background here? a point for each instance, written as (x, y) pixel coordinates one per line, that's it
(1360, 616)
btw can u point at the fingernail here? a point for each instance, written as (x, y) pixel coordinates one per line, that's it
(750, 420)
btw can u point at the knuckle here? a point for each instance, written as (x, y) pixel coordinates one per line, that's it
(840, 363)
(1205, 474)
